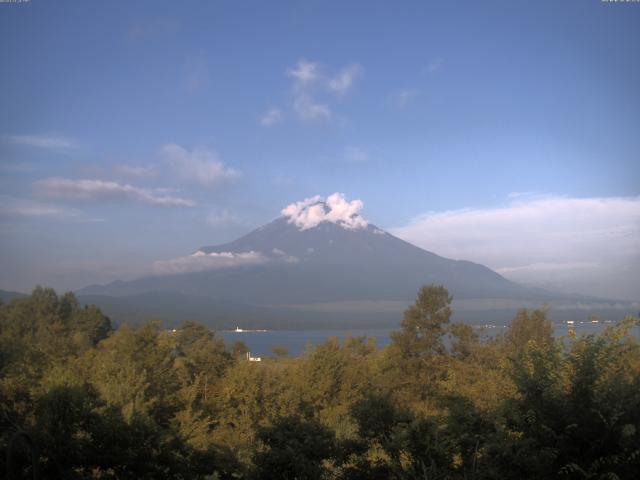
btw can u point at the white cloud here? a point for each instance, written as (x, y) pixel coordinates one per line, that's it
(200, 261)
(311, 81)
(403, 98)
(590, 245)
(304, 73)
(50, 142)
(336, 209)
(96, 190)
(516, 195)
(271, 117)
(355, 154)
(282, 256)
(344, 80)
(307, 109)
(199, 165)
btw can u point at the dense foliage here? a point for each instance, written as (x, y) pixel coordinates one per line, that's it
(79, 399)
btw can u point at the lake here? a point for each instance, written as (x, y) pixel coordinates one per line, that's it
(262, 343)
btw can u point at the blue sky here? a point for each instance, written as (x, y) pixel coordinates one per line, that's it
(138, 131)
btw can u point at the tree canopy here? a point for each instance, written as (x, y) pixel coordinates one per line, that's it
(80, 399)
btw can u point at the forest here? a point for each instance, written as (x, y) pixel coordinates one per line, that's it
(82, 399)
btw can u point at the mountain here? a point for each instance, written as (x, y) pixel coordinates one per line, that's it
(327, 263)
(318, 261)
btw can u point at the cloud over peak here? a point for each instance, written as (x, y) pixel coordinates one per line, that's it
(335, 208)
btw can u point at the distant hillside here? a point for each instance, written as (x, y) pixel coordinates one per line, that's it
(7, 296)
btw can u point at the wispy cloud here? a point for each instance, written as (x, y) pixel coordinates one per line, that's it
(345, 79)
(304, 73)
(137, 171)
(200, 261)
(100, 190)
(13, 206)
(521, 195)
(308, 109)
(312, 81)
(403, 98)
(271, 117)
(549, 267)
(50, 142)
(200, 165)
(534, 237)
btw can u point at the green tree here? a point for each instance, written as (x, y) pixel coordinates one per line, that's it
(424, 324)
(294, 448)
(417, 359)
(529, 326)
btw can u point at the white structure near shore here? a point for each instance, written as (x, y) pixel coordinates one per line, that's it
(253, 359)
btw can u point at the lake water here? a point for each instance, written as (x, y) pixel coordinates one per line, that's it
(262, 343)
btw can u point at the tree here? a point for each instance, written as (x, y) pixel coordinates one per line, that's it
(464, 340)
(64, 419)
(529, 326)
(239, 349)
(294, 448)
(411, 444)
(417, 357)
(425, 323)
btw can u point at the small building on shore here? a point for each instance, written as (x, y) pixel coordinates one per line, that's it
(253, 359)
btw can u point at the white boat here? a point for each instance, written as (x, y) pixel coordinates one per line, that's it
(243, 330)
